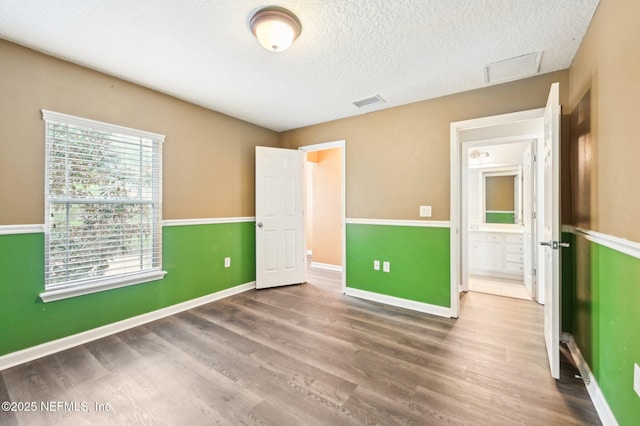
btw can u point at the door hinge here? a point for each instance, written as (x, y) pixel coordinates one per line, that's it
(534, 272)
(533, 215)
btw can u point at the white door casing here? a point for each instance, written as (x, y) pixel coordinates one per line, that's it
(341, 144)
(528, 235)
(551, 236)
(280, 248)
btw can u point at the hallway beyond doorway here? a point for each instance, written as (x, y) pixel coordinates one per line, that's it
(498, 287)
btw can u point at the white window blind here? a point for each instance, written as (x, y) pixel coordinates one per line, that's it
(103, 188)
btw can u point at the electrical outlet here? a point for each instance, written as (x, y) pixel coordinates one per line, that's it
(636, 378)
(376, 265)
(386, 266)
(227, 262)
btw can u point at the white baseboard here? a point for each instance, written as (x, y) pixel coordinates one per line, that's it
(401, 303)
(327, 266)
(597, 397)
(48, 348)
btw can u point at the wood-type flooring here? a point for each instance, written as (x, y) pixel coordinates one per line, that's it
(308, 355)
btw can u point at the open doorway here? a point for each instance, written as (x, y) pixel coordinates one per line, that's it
(325, 207)
(544, 126)
(498, 190)
(470, 136)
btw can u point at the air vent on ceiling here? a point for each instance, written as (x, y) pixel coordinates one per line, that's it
(512, 69)
(368, 101)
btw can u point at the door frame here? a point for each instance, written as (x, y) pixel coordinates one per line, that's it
(343, 214)
(458, 239)
(464, 190)
(532, 199)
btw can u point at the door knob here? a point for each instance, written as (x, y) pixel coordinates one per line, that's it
(259, 224)
(554, 244)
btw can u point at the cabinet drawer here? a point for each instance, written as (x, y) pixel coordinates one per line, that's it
(513, 267)
(514, 238)
(494, 238)
(514, 257)
(514, 248)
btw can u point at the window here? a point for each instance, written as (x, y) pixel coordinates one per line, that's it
(103, 225)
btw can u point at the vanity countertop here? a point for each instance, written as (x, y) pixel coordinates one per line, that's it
(493, 228)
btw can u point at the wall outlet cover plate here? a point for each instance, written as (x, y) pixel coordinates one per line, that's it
(425, 211)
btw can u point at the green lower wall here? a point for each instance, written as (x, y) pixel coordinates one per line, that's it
(419, 259)
(567, 288)
(605, 321)
(193, 257)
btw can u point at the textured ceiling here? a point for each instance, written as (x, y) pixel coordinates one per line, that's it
(203, 51)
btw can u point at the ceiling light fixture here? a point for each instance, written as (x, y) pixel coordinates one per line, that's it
(479, 157)
(478, 154)
(275, 28)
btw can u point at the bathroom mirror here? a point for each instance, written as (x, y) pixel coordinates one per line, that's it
(501, 191)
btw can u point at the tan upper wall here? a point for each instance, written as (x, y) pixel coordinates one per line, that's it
(398, 159)
(208, 157)
(327, 207)
(608, 63)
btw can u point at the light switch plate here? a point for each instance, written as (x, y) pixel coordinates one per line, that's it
(425, 211)
(227, 262)
(376, 265)
(636, 378)
(386, 266)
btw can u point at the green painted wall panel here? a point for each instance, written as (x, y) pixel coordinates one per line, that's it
(419, 259)
(583, 300)
(568, 282)
(616, 331)
(603, 303)
(193, 257)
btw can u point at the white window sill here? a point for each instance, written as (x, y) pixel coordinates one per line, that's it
(95, 286)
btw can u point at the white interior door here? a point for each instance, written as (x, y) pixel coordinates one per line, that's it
(280, 248)
(528, 236)
(551, 234)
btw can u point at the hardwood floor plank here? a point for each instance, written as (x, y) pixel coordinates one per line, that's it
(386, 340)
(112, 352)
(276, 363)
(7, 418)
(456, 408)
(383, 409)
(332, 356)
(385, 345)
(267, 414)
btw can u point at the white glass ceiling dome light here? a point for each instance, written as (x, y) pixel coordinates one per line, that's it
(275, 28)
